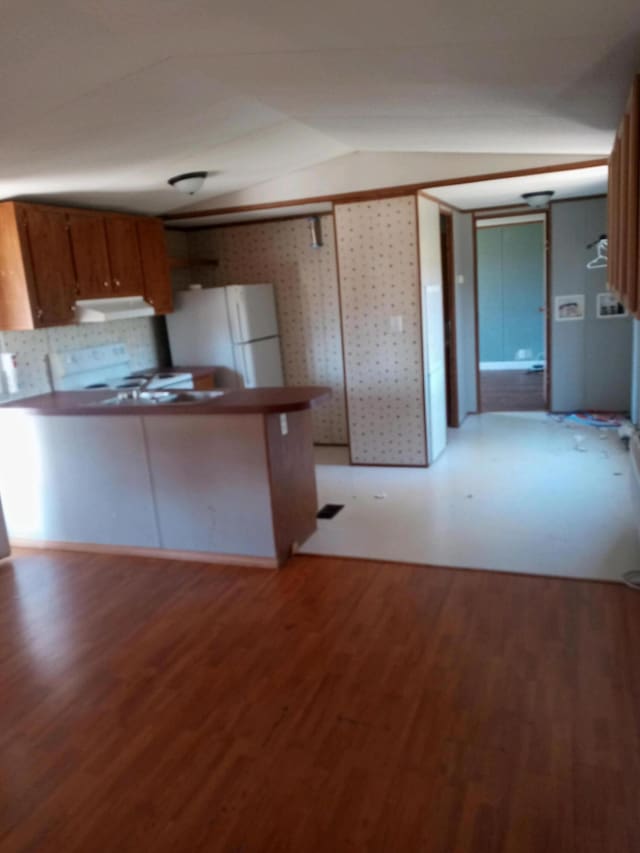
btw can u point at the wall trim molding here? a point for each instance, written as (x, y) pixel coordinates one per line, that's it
(384, 192)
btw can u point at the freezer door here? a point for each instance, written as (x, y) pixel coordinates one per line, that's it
(260, 363)
(199, 333)
(252, 312)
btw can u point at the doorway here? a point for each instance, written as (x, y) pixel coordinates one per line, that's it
(511, 312)
(449, 311)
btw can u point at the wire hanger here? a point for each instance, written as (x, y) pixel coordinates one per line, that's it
(601, 259)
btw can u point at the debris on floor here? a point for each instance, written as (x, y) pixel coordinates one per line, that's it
(380, 496)
(602, 420)
(578, 443)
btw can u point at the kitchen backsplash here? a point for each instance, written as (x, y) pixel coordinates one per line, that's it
(306, 286)
(144, 338)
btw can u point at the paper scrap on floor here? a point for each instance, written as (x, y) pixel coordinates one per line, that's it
(602, 420)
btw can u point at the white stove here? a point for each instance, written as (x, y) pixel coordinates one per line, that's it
(108, 366)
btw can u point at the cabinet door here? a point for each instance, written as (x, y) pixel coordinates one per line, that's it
(155, 265)
(124, 256)
(90, 255)
(52, 265)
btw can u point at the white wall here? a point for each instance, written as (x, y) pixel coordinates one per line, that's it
(364, 170)
(433, 343)
(463, 262)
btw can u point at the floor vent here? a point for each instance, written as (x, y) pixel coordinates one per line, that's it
(330, 510)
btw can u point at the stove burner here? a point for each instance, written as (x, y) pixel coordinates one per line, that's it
(96, 385)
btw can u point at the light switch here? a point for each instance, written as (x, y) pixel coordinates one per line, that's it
(460, 279)
(396, 323)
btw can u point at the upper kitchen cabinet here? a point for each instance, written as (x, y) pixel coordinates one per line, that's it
(51, 256)
(90, 254)
(127, 278)
(155, 265)
(37, 279)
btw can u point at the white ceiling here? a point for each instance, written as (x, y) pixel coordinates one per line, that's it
(103, 100)
(508, 191)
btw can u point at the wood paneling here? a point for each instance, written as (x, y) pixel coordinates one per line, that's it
(51, 263)
(124, 256)
(91, 258)
(17, 297)
(340, 705)
(155, 265)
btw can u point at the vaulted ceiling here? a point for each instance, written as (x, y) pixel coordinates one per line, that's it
(103, 100)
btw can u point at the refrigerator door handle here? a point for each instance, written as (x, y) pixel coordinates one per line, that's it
(239, 330)
(247, 382)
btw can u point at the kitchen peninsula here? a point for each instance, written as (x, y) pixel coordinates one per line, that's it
(221, 477)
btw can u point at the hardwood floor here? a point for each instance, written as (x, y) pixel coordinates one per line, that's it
(333, 706)
(512, 391)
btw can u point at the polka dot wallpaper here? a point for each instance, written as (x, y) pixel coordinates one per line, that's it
(306, 286)
(379, 285)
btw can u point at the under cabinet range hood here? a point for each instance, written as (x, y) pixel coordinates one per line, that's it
(116, 308)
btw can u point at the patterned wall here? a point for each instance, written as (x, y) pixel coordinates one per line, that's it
(143, 337)
(379, 280)
(306, 285)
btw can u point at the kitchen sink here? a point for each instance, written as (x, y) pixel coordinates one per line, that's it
(134, 397)
(194, 396)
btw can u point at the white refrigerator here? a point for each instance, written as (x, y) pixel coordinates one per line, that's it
(234, 329)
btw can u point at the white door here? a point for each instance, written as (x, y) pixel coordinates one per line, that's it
(199, 329)
(260, 363)
(433, 327)
(252, 312)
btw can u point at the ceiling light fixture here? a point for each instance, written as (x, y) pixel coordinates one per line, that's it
(540, 199)
(188, 183)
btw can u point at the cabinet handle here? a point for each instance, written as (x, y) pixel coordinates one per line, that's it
(116, 281)
(73, 309)
(106, 283)
(40, 313)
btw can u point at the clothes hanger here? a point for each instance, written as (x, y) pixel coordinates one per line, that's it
(601, 259)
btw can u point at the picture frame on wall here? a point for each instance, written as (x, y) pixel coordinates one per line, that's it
(569, 308)
(608, 307)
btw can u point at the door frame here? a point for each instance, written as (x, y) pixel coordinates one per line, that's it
(546, 213)
(450, 330)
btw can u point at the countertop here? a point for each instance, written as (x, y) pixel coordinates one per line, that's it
(250, 401)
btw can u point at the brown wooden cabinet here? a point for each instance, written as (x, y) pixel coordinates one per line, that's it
(90, 254)
(155, 265)
(51, 256)
(51, 264)
(37, 279)
(124, 256)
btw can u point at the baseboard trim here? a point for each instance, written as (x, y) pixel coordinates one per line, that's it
(162, 553)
